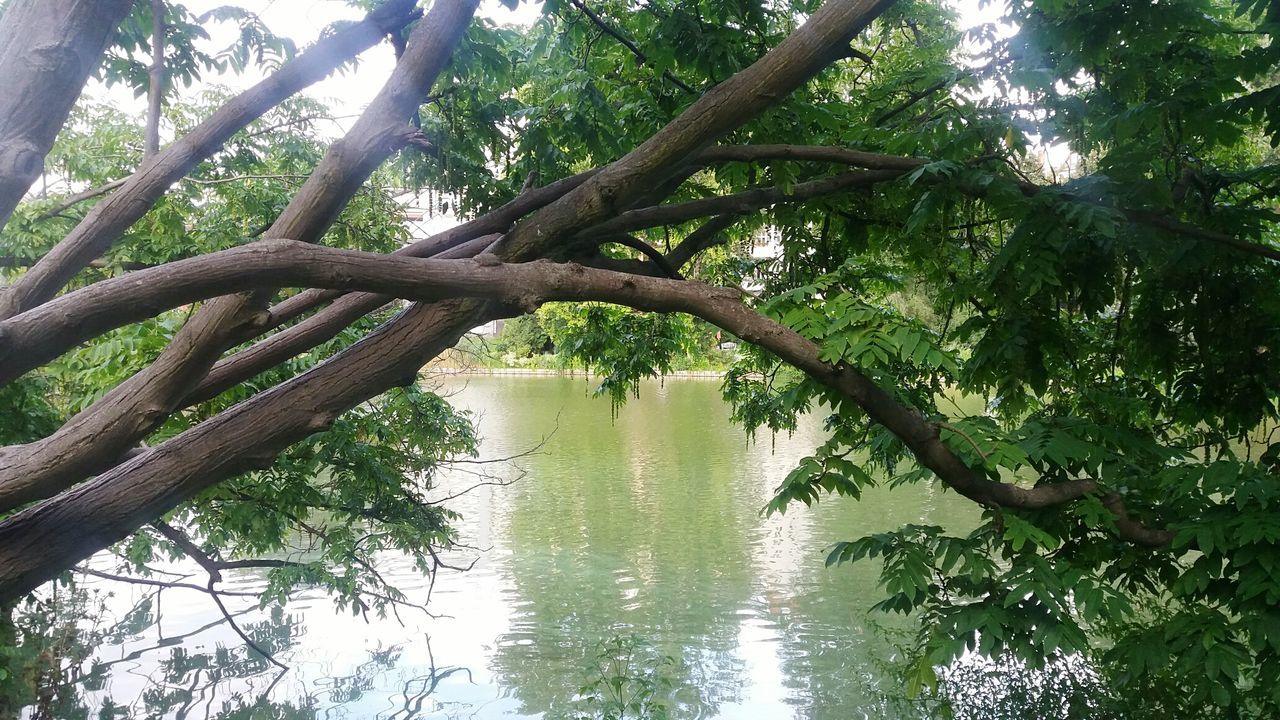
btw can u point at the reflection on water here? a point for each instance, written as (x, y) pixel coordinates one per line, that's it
(647, 524)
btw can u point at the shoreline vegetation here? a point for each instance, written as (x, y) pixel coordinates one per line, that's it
(440, 369)
(481, 355)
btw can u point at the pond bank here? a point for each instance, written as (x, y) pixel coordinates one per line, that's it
(436, 371)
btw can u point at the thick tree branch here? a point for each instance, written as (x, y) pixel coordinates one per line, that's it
(501, 220)
(276, 349)
(252, 433)
(47, 50)
(39, 335)
(172, 472)
(110, 218)
(726, 106)
(268, 353)
(322, 327)
(497, 221)
(529, 284)
(98, 435)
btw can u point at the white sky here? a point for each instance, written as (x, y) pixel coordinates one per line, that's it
(349, 93)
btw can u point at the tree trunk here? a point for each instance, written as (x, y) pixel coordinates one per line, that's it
(34, 545)
(110, 218)
(47, 50)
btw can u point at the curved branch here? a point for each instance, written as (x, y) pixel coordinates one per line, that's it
(803, 54)
(96, 436)
(110, 218)
(647, 250)
(47, 50)
(41, 334)
(31, 546)
(529, 284)
(742, 202)
(268, 353)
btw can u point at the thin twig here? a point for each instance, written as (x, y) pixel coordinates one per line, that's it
(963, 434)
(626, 42)
(213, 593)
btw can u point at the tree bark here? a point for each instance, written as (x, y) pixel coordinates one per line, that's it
(155, 88)
(43, 333)
(47, 50)
(111, 217)
(817, 43)
(101, 433)
(32, 546)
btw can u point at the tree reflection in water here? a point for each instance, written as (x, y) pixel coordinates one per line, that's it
(57, 670)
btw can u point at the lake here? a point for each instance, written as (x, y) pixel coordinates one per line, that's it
(646, 524)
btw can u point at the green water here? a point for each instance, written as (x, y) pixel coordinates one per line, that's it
(645, 524)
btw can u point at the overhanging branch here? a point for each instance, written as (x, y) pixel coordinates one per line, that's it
(140, 191)
(252, 433)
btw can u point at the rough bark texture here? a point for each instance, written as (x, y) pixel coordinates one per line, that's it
(32, 548)
(47, 50)
(728, 105)
(95, 437)
(250, 435)
(110, 218)
(35, 544)
(45, 332)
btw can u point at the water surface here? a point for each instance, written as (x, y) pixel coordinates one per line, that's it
(647, 523)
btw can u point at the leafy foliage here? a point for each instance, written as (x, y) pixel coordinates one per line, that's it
(1092, 319)
(625, 680)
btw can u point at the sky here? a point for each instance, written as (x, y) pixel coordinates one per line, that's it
(349, 93)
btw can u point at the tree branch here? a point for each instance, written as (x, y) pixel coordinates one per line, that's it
(155, 89)
(48, 48)
(911, 100)
(31, 549)
(250, 434)
(742, 202)
(98, 435)
(41, 334)
(162, 584)
(647, 250)
(231, 622)
(110, 218)
(529, 284)
(188, 547)
(626, 42)
(80, 197)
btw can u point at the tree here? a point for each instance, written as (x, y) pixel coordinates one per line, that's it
(1118, 322)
